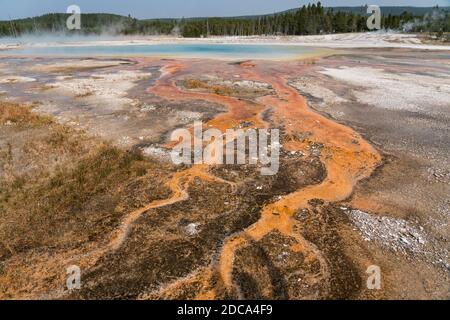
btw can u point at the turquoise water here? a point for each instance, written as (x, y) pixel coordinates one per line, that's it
(223, 51)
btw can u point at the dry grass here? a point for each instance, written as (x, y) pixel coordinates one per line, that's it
(81, 199)
(435, 37)
(62, 193)
(194, 84)
(308, 62)
(85, 94)
(227, 88)
(74, 205)
(14, 113)
(44, 87)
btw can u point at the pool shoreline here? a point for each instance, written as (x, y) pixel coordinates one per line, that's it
(338, 41)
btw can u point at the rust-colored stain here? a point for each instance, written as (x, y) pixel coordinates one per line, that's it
(347, 157)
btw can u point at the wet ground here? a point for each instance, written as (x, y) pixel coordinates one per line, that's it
(363, 181)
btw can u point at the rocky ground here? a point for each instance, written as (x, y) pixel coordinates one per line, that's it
(400, 104)
(363, 181)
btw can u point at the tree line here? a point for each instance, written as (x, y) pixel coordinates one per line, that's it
(308, 20)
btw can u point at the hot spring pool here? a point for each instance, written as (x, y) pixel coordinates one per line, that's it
(220, 51)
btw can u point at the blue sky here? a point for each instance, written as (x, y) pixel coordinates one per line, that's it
(180, 8)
